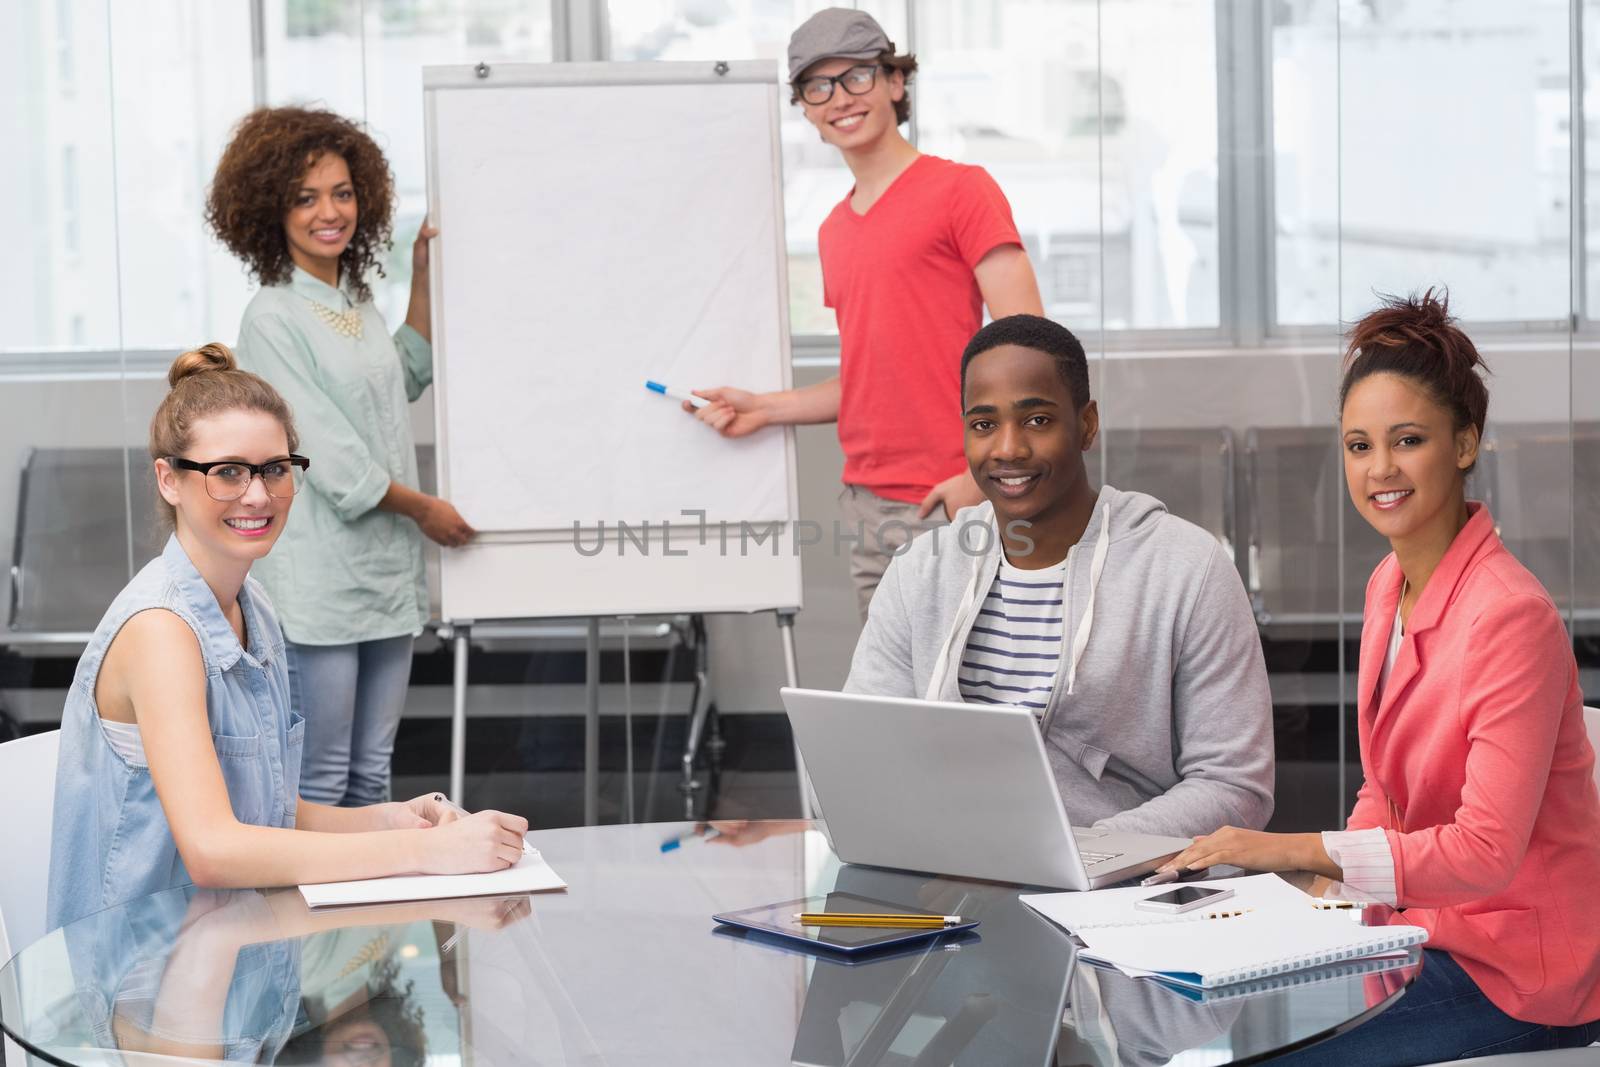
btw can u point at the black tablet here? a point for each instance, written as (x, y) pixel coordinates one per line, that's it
(778, 920)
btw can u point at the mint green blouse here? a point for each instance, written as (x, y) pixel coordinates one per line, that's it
(342, 571)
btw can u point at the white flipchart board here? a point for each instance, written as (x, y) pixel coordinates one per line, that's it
(604, 224)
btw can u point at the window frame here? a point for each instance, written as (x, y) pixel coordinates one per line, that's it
(1248, 123)
(1246, 209)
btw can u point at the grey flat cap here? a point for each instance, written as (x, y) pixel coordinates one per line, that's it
(836, 33)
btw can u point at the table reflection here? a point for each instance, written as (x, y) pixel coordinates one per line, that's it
(995, 997)
(627, 968)
(250, 976)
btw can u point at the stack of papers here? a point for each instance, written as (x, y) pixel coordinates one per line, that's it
(1267, 928)
(531, 874)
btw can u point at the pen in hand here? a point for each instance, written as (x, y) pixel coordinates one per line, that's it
(450, 805)
(445, 802)
(711, 834)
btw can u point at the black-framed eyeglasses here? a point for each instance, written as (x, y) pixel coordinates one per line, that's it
(856, 81)
(229, 479)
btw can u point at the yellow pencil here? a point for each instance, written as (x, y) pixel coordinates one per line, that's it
(911, 922)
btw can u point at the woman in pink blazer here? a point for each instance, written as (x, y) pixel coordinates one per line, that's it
(1479, 818)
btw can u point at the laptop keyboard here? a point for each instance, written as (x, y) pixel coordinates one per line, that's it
(1092, 858)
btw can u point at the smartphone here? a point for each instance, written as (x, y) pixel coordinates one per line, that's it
(1184, 898)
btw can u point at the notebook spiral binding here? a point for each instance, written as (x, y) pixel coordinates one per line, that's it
(1292, 979)
(1317, 959)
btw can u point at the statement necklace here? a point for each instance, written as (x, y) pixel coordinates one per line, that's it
(347, 323)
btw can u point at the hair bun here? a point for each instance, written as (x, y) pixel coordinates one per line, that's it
(1432, 310)
(1416, 337)
(1420, 317)
(1400, 321)
(208, 357)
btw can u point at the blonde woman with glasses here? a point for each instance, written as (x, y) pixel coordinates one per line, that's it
(180, 748)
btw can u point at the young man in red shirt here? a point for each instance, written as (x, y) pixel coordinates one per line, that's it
(909, 259)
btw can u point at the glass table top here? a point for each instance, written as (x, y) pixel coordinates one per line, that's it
(625, 967)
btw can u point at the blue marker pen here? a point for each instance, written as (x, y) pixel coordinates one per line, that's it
(711, 834)
(676, 394)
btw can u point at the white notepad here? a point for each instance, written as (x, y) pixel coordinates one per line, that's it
(1267, 928)
(1115, 907)
(531, 874)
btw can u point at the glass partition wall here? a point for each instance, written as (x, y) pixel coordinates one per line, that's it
(1209, 193)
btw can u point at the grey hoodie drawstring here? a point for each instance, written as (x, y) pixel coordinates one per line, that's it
(940, 665)
(1080, 638)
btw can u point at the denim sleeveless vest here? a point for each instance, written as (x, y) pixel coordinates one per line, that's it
(110, 842)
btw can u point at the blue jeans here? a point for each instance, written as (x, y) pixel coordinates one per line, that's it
(1443, 1016)
(351, 697)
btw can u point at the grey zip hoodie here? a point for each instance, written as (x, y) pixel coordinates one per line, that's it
(1162, 722)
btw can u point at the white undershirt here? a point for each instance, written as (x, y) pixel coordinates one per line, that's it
(1396, 632)
(125, 741)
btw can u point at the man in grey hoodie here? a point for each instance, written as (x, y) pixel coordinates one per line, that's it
(1126, 629)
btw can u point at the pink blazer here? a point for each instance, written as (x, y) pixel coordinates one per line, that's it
(1477, 766)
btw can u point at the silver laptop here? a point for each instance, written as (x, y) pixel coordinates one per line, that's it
(957, 789)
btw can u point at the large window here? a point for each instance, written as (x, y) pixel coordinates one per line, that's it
(1402, 144)
(1024, 88)
(366, 60)
(56, 184)
(146, 101)
(1100, 123)
(1419, 143)
(93, 118)
(1589, 144)
(814, 176)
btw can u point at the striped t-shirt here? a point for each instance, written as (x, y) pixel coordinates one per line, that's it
(1015, 644)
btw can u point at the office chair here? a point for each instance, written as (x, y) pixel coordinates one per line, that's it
(1563, 1057)
(28, 780)
(28, 771)
(1591, 726)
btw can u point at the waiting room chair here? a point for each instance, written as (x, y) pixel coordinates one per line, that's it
(1537, 478)
(1586, 527)
(1566, 1057)
(1591, 726)
(28, 781)
(1191, 471)
(70, 549)
(1308, 554)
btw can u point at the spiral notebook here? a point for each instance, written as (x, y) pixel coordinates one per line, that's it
(1333, 972)
(1267, 928)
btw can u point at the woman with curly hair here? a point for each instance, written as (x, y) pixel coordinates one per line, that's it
(305, 198)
